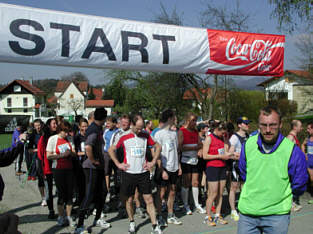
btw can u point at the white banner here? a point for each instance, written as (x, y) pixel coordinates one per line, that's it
(37, 36)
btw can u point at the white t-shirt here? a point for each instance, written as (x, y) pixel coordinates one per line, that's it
(234, 141)
(169, 141)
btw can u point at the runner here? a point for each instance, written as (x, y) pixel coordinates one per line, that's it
(307, 147)
(136, 169)
(273, 169)
(149, 126)
(48, 130)
(296, 128)
(79, 143)
(108, 164)
(215, 152)
(236, 141)
(168, 167)
(60, 151)
(35, 162)
(189, 143)
(94, 172)
(124, 129)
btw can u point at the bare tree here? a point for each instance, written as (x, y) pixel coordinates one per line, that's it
(293, 14)
(76, 76)
(223, 18)
(304, 45)
(75, 104)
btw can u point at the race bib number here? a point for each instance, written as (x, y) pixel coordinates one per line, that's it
(221, 151)
(63, 148)
(310, 149)
(137, 152)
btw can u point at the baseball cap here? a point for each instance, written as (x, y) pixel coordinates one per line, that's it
(243, 119)
(201, 126)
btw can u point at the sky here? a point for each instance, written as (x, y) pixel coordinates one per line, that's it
(140, 10)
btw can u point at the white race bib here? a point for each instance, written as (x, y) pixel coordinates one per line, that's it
(137, 152)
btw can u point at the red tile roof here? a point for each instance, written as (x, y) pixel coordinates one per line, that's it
(99, 103)
(97, 92)
(52, 100)
(299, 73)
(63, 84)
(193, 93)
(28, 86)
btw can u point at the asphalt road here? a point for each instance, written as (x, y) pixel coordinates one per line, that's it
(22, 198)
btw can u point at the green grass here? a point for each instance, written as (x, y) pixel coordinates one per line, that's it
(5, 141)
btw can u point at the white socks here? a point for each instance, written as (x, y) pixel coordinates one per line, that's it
(195, 194)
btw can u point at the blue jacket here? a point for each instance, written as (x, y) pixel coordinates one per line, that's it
(7, 156)
(297, 166)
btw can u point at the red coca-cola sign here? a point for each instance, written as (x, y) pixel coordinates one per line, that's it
(246, 53)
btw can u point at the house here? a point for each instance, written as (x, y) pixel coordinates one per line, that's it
(71, 98)
(20, 99)
(295, 85)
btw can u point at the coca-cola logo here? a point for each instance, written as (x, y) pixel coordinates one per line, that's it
(257, 51)
(246, 51)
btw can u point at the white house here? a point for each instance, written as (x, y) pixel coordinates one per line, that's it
(72, 99)
(20, 97)
(295, 85)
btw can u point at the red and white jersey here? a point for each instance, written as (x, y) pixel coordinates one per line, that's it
(58, 145)
(134, 147)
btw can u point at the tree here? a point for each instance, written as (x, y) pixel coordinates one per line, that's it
(292, 13)
(304, 45)
(223, 18)
(75, 104)
(76, 76)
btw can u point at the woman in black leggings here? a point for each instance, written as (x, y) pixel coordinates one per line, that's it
(60, 151)
(48, 130)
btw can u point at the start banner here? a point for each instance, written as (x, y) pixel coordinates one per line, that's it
(37, 36)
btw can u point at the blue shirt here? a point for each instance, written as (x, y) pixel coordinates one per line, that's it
(107, 136)
(297, 166)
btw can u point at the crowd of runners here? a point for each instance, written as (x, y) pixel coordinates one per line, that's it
(106, 162)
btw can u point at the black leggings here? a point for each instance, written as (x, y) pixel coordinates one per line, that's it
(64, 182)
(49, 178)
(95, 192)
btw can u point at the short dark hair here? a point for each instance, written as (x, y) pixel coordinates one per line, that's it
(269, 109)
(64, 126)
(219, 125)
(111, 119)
(310, 124)
(167, 114)
(135, 118)
(100, 114)
(83, 120)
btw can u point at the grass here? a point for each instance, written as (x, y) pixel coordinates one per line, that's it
(5, 141)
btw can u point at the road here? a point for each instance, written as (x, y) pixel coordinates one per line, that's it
(22, 198)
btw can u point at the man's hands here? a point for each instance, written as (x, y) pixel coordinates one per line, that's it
(123, 166)
(148, 165)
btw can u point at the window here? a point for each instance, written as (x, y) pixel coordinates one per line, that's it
(25, 101)
(9, 102)
(25, 110)
(17, 88)
(71, 96)
(9, 110)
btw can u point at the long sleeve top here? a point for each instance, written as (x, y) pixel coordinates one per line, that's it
(297, 166)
